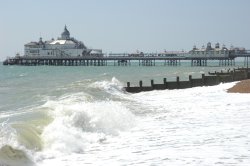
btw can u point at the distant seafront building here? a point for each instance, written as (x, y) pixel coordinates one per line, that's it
(64, 46)
(217, 51)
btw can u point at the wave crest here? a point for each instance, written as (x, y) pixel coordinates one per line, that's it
(109, 86)
(79, 124)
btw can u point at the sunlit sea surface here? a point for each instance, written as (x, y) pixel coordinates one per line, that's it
(51, 115)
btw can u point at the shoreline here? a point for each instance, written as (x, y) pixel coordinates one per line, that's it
(241, 87)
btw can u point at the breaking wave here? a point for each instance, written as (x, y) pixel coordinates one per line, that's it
(68, 124)
(114, 86)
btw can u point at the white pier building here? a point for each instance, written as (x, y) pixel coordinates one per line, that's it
(64, 46)
(210, 52)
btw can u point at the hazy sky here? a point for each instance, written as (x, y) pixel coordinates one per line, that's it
(125, 25)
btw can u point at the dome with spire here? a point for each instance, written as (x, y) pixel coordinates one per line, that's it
(209, 46)
(65, 35)
(63, 46)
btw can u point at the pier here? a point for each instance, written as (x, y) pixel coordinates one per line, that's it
(209, 80)
(67, 51)
(125, 60)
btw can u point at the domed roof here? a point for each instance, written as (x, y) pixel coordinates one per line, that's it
(65, 33)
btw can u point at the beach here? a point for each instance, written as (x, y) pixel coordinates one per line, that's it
(241, 87)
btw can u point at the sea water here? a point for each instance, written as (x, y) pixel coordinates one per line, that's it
(82, 116)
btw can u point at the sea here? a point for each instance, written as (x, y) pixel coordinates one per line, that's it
(81, 115)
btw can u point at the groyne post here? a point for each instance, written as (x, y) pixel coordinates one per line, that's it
(128, 84)
(232, 75)
(140, 84)
(165, 82)
(203, 79)
(190, 80)
(178, 82)
(152, 84)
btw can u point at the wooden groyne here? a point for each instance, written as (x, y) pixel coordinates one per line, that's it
(209, 80)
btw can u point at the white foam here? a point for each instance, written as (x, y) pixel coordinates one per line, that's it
(196, 126)
(184, 99)
(7, 135)
(76, 125)
(110, 86)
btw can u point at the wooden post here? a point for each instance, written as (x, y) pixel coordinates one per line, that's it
(152, 84)
(203, 79)
(232, 75)
(140, 84)
(128, 84)
(178, 81)
(190, 80)
(165, 82)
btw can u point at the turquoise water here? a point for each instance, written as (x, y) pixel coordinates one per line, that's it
(79, 115)
(24, 85)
